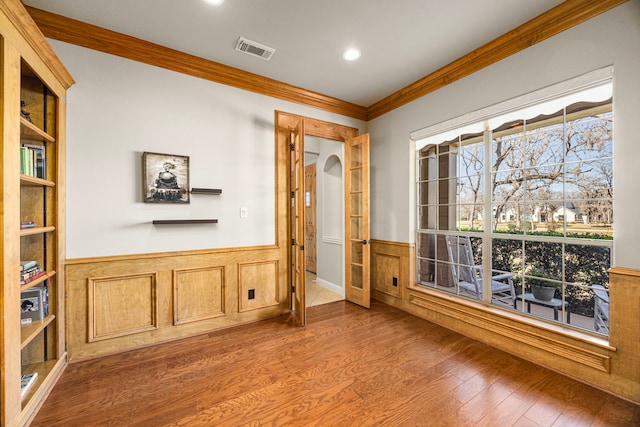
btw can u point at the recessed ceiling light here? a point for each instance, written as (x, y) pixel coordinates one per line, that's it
(215, 2)
(351, 54)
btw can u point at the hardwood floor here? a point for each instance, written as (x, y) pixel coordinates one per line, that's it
(348, 367)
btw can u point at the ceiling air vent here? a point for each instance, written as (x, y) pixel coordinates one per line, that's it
(255, 49)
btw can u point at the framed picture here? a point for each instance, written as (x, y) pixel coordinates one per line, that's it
(31, 304)
(165, 178)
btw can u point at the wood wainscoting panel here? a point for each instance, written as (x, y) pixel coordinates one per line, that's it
(624, 326)
(386, 274)
(122, 305)
(258, 285)
(390, 271)
(198, 294)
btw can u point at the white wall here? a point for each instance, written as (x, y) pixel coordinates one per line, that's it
(612, 38)
(119, 108)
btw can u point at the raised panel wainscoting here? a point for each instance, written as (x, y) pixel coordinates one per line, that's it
(390, 272)
(124, 302)
(610, 364)
(258, 285)
(133, 300)
(198, 294)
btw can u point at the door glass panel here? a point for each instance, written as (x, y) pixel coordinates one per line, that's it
(356, 252)
(356, 204)
(356, 276)
(356, 179)
(356, 228)
(356, 156)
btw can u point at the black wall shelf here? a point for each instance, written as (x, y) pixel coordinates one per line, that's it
(210, 191)
(184, 221)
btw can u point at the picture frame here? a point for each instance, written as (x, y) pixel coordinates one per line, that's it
(165, 178)
(32, 304)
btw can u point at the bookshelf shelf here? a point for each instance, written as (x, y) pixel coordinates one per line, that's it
(39, 280)
(43, 369)
(36, 230)
(31, 331)
(30, 132)
(35, 182)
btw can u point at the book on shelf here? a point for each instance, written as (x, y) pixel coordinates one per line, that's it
(26, 382)
(24, 160)
(32, 160)
(27, 224)
(31, 275)
(31, 269)
(25, 265)
(32, 303)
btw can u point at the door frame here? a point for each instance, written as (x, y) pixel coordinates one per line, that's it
(312, 127)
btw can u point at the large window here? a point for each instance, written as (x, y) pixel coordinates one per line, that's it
(520, 202)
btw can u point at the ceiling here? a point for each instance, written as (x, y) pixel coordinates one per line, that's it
(401, 40)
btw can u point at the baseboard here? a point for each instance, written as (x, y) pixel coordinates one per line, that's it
(331, 286)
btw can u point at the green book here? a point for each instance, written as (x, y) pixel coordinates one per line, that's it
(25, 265)
(24, 160)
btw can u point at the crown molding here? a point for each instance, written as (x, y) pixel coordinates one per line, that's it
(79, 33)
(554, 21)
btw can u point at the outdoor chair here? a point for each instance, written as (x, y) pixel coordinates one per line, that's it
(601, 309)
(467, 276)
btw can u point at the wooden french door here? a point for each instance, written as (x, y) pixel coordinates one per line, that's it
(356, 190)
(357, 237)
(297, 222)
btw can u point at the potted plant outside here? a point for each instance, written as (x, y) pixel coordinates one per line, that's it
(543, 290)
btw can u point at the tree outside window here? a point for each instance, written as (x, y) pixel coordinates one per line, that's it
(539, 190)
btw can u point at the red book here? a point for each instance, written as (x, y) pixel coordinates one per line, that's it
(32, 278)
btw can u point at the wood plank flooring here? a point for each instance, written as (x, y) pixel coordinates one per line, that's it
(348, 367)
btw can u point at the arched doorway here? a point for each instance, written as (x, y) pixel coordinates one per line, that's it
(324, 219)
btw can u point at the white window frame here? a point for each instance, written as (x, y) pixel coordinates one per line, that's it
(587, 87)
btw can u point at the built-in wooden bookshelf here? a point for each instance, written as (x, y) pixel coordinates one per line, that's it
(33, 84)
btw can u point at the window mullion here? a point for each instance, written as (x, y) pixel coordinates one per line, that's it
(488, 222)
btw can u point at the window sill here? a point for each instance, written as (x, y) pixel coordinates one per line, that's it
(502, 328)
